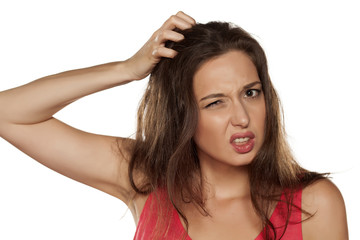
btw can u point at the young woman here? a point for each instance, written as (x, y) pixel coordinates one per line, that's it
(209, 160)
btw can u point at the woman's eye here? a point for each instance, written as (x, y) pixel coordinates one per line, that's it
(252, 93)
(213, 104)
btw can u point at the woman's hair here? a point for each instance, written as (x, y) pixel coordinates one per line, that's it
(164, 151)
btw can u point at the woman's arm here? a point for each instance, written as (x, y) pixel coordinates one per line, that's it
(27, 122)
(39, 100)
(324, 200)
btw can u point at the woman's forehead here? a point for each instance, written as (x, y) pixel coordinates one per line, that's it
(231, 70)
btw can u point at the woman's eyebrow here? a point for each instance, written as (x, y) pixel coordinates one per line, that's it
(213, 95)
(252, 84)
(217, 95)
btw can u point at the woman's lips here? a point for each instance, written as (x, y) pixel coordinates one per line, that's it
(243, 142)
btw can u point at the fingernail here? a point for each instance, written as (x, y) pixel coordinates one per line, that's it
(157, 38)
(154, 52)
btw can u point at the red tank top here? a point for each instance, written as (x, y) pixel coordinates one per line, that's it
(149, 216)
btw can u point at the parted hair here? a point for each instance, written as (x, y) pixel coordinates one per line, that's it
(164, 151)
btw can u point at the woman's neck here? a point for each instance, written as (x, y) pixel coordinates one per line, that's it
(224, 182)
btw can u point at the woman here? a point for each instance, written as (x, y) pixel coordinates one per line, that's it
(209, 146)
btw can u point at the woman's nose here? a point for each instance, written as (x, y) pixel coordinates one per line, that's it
(239, 116)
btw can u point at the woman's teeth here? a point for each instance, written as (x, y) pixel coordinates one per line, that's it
(241, 140)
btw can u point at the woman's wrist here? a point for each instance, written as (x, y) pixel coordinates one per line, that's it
(124, 72)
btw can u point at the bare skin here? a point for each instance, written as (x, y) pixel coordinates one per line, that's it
(227, 106)
(27, 122)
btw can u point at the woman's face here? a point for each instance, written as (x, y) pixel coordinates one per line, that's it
(232, 112)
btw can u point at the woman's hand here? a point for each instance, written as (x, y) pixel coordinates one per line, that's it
(27, 122)
(141, 64)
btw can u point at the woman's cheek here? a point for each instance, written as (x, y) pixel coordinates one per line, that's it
(211, 128)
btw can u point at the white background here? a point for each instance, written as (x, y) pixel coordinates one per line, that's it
(313, 53)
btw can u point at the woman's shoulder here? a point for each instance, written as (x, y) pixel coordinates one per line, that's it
(322, 191)
(325, 204)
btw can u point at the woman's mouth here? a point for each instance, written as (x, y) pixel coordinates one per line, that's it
(239, 141)
(243, 142)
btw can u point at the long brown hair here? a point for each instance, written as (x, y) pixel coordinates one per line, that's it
(164, 151)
